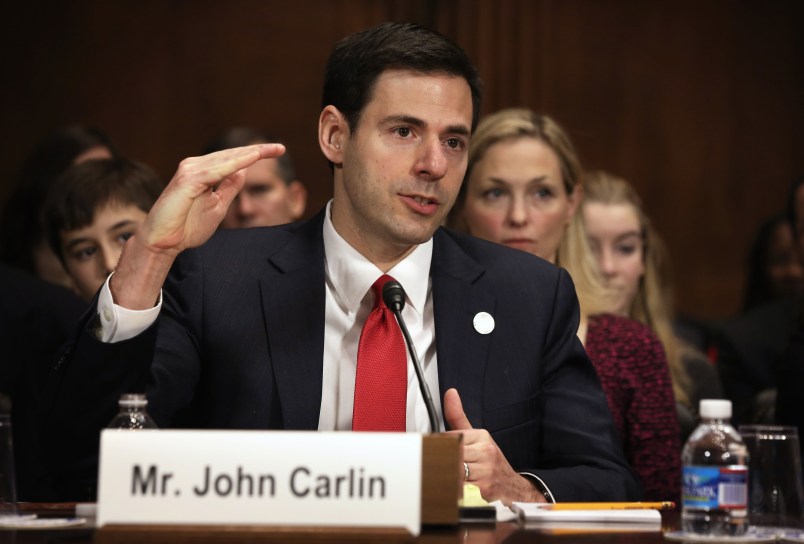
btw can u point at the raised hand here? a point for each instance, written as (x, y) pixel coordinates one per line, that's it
(186, 214)
(488, 468)
(195, 201)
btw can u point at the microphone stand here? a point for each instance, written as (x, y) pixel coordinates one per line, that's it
(394, 297)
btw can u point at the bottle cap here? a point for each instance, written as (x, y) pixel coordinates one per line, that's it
(715, 409)
(131, 400)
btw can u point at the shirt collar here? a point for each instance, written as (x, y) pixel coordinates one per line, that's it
(352, 275)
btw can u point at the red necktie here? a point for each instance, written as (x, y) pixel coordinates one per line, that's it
(381, 384)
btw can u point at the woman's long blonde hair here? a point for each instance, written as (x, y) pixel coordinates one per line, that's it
(574, 254)
(653, 304)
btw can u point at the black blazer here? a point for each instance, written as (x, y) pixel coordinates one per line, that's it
(240, 339)
(36, 318)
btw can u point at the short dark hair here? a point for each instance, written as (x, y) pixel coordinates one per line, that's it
(243, 136)
(358, 60)
(82, 189)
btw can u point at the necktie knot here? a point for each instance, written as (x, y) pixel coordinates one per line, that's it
(377, 288)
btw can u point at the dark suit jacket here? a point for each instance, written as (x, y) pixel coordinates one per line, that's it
(36, 319)
(789, 405)
(751, 348)
(240, 339)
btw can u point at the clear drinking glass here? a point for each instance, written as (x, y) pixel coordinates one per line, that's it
(8, 483)
(775, 495)
(8, 489)
(9, 514)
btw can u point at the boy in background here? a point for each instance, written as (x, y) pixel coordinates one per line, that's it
(92, 209)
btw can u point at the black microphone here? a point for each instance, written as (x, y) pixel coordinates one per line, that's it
(394, 297)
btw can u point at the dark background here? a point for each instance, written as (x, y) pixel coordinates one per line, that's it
(698, 103)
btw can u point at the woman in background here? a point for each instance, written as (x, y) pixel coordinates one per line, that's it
(522, 189)
(22, 239)
(774, 267)
(752, 344)
(632, 260)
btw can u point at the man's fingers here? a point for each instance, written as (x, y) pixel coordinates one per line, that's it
(228, 189)
(218, 166)
(453, 411)
(270, 151)
(231, 184)
(232, 160)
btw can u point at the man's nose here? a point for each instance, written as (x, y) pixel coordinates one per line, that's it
(432, 163)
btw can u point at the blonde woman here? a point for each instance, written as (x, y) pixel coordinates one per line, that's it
(633, 262)
(522, 189)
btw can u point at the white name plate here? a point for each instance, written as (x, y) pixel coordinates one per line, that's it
(335, 479)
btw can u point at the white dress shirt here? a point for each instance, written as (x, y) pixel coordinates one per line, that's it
(349, 299)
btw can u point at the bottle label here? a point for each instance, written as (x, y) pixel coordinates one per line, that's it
(715, 487)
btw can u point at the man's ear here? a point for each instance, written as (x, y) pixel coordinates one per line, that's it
(297, 199)
(333, 132)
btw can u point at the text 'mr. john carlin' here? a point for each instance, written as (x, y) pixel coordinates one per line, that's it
(354, 484)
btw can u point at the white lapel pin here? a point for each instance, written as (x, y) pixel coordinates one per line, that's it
(483, 322)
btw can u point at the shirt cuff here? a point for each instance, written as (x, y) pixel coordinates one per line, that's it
(118, 323)
(540, 485)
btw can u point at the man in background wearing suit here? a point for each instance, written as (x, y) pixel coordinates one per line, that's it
(271, 194)
(259, 328)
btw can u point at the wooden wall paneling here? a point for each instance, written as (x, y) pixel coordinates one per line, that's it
(692, 102)
(698, 104)
(164, 77)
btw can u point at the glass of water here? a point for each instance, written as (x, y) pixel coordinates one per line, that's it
(775, 496)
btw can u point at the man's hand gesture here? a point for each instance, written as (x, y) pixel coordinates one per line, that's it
(186, 214)
(488, 468)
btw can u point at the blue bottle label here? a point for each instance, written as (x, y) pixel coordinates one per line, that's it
(719, 488)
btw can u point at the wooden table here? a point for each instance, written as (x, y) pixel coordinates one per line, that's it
(470, 533)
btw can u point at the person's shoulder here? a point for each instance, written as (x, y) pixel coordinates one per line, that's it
(33, 310)
(495, 257)
(228, 239)
(621, 324)
(624, 333)
(767, 317)
(259, 242)
(24, 292)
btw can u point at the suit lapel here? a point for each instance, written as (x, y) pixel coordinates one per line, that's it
(293, 309)
(461, 350)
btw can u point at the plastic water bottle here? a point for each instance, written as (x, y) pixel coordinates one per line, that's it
(132, 414)
(715, 477)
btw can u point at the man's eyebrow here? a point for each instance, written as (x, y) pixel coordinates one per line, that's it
(403, 119)
(460, 130)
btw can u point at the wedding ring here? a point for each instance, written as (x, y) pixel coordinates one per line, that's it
(466, 472)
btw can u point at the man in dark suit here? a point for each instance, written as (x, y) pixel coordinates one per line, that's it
(259, 328)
